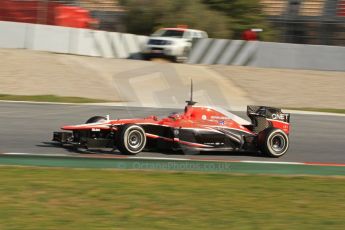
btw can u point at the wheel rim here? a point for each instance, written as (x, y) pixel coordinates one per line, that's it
(135, 139)
(278, 143)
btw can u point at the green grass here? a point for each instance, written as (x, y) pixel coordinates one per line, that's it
(47, 198)
(325, 110)
(49, 98)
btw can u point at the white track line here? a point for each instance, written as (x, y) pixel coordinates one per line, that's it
(38, 154)
(43, 102)
(313, 113)
(68, 155)
(178, 159)
(274, 162)
(159, 158)
(125, 104)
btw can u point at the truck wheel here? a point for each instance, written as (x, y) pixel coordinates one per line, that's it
(184, 56)
(95, 119)
(131, 139)
(273, 142)
(146, 57)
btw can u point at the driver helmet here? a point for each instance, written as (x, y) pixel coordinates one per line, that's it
(175, 116)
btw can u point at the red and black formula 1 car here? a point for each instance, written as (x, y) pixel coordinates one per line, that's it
(198, 128)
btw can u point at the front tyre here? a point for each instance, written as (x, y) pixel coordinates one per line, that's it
(132, 140)
(273, 142)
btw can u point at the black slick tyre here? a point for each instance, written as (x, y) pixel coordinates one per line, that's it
(273, 142)
(131, 139)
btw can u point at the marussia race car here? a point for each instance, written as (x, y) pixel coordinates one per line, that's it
(198, 128)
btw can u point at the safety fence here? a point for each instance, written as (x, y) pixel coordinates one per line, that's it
(204, 51)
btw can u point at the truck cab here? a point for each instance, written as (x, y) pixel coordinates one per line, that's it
(172, 43)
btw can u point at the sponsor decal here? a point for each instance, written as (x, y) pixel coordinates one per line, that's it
(280, 116)
(176, 132)
(214, 143)
(221, 122)
(220, 118)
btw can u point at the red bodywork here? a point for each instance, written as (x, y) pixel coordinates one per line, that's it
(285, 126)
(198, 128)
(193, 117)
(206, 124)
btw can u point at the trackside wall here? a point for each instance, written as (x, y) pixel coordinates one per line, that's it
(267, 54)
(70, 40)
(204, 51)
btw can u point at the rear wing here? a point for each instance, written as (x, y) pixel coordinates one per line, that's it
(267, 112)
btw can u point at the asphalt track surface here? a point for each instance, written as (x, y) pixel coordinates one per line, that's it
(27, 128)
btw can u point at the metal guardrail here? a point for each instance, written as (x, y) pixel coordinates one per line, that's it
(325, 27)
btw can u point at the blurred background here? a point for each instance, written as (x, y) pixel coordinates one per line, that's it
(77, 51)
(319, 22)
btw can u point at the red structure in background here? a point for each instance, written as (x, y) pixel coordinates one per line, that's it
(45, 13)
(341, 8)
(73, 16)
(249, 35)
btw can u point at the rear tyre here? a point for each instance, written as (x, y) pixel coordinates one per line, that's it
(273, 142)
(96, 119)
(131, 140)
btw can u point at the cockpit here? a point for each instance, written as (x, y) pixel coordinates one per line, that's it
(175, 116)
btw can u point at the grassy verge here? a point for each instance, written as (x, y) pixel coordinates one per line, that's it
(324, 110)
(41, 198)
(49, 98)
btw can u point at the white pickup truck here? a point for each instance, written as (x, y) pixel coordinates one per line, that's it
(172, 43)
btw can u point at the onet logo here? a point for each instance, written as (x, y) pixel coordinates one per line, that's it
(281, 116)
